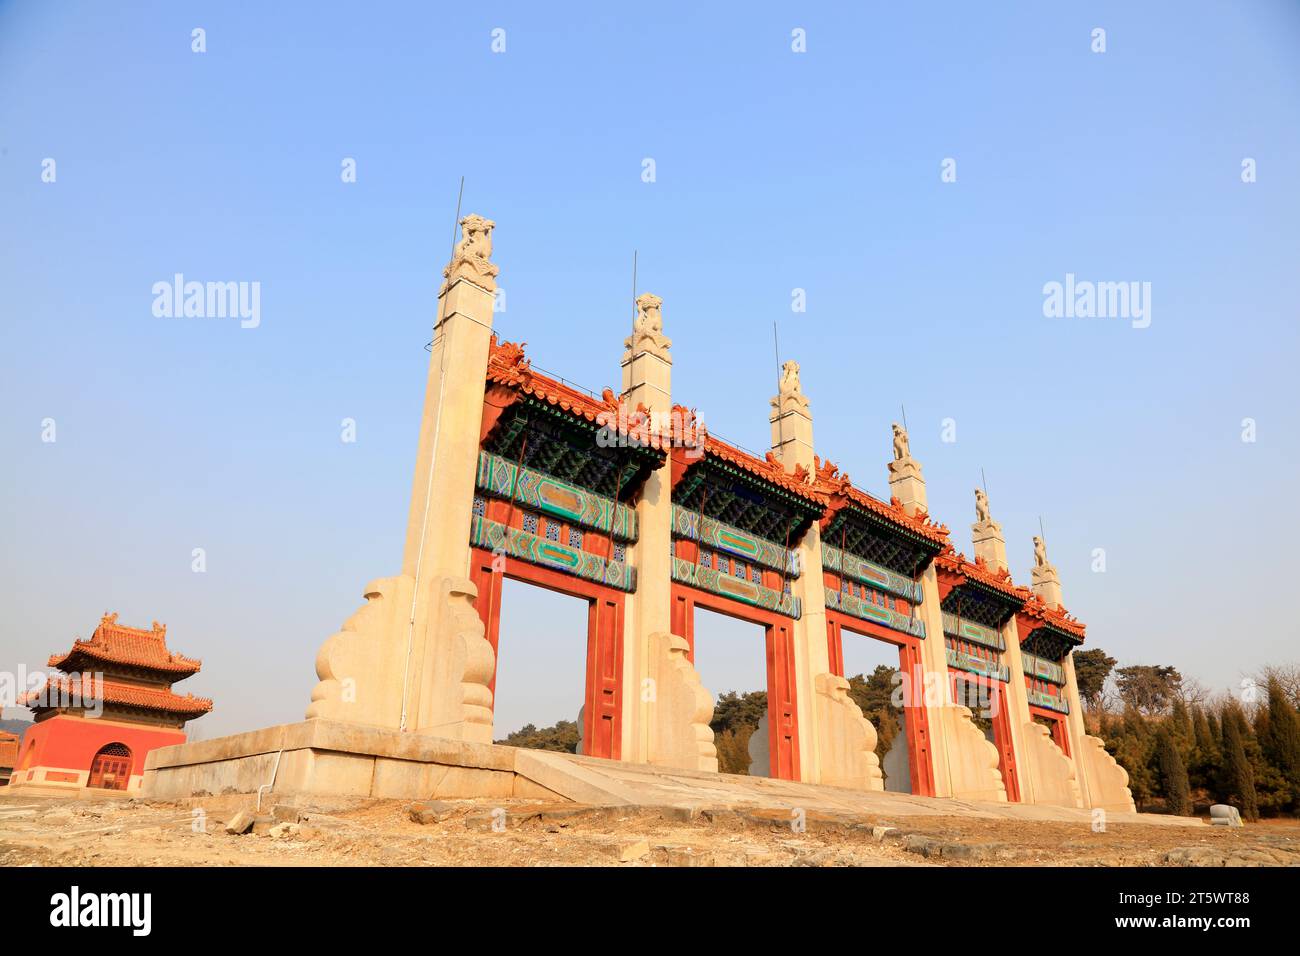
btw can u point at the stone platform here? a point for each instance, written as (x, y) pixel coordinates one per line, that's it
(324, 757)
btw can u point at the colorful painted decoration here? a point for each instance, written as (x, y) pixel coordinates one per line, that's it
(977, 665)
(1039, 667)
(1049, 701)
(520, 544)
(725, 537)
(739, 589)
(532, 489)
(857, 607)
(860, 569)
(970, 631)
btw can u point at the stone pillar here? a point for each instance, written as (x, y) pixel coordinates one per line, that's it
(666, 710)
(1103, 783)
(965, 762)
(905, 481)
(1042, 770)
(836, 743)
(647, 366)
(414, 657)
(1044, 581)
(1046, 586)
(1077, 733)
(990, 549)
(986, 536)
(790, 420)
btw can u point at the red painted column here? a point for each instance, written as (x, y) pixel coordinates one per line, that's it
(782, 709)
(1005, 744)
(835, 647)
(1061, 732)
(683, 619)
(917, 721)
(604, 706)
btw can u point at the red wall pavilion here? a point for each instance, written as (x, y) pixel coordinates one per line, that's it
(109, 705)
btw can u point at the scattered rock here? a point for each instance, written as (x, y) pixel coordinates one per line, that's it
(490, 820)
(625, 851)
(430, 811)
(670, 854)
(283, 813)
(557, 815)
(682, 815)
(934, 848)
(284, 831)
(566, 814)
(240, 823)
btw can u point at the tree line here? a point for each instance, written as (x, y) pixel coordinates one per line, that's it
(1185, 748)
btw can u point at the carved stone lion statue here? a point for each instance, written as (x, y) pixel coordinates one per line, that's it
(649, 317)
(648, 326)
(790, 378)
(471, 258)
(902, 451)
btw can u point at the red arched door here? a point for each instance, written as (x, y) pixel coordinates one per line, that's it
(111, 768)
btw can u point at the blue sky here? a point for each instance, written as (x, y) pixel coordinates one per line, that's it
(775, 170)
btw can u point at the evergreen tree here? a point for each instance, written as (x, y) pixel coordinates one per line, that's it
(733, 749)
(1272, 790)
(1180, 726)
(1173, 773)
(1134, 747)
(733, 711)
(562, 736)
(1281, 740)
(1091, 668)
(1239, 778)
(1148, 688)
(1216, 730)
(1205, 752)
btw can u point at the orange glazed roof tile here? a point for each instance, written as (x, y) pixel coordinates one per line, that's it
(954, 561)
(830, 482)
(114, 643)
(508, 366)
(1061, 619)
(768, 469)
(115, 692)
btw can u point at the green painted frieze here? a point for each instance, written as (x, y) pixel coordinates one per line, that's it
(538, 492)
(739, 589)
(867, 611)
(535, 549)
(724, 537)
(873, 575)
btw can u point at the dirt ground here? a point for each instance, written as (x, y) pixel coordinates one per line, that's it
(55, 832)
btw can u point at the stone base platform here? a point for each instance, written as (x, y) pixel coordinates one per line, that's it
(330, 758)
(334, 758)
